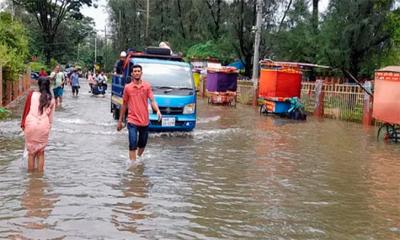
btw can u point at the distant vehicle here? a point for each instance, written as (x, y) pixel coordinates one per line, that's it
(173, 88)
(34, 75)
(100, 87)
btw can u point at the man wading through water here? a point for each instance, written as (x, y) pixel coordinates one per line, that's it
(135, 97)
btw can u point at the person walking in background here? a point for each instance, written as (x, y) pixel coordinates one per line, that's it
(42, 73)
(91, 81)
(75, 82)
(119, 64)
(58, 79)
(36, 123)
(135, 97)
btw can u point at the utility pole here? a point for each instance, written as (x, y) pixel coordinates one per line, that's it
(12, 10)
(119, 30)
(105, 47)
(77, 57)
(256, 50)
(95, 53)
(147, 19)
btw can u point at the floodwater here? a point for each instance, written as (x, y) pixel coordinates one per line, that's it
(238, 175)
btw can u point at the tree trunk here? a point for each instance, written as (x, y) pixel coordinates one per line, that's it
(181, 19)
(315, 16)
(248, 67)
(49, 41)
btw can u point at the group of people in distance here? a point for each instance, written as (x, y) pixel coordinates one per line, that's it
(37, 117)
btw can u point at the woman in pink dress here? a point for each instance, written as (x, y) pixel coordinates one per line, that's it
(38, 123)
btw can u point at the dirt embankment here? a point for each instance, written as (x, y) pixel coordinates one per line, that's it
(16, 107)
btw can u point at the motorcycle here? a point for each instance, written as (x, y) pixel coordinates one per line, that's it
(99, 88)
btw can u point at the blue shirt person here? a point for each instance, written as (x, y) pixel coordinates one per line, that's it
(75, 83)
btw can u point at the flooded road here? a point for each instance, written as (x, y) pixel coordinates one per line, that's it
(238, 175)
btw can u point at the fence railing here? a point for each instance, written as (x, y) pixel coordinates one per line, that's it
(10, 90)
(245, 91)
(340, 101)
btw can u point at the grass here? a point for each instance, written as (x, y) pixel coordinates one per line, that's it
(4, 113)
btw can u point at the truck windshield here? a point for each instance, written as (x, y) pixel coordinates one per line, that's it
(166, 75)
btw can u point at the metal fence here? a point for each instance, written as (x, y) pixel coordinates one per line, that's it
(245, 91)
(341, 101)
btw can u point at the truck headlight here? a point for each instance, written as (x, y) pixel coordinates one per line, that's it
(189, 109)
(149, 108)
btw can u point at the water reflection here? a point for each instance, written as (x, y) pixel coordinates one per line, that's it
(37, 202)
(131, 210)
(384, 205)
(238, 175)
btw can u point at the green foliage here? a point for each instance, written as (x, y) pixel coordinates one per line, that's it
(357, 35)
(50, 15)
(13, 46)
(36, 66)
(355, 39)
(53, 63)
(4, 113)
(211, 49)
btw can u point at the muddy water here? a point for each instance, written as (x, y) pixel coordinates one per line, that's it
(236, 176)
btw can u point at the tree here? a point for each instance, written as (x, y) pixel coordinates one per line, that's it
(242, 31)
(294, 40)
(353, 40)
(13, 46)
(215, 11)
(315, 16)
(50, 14)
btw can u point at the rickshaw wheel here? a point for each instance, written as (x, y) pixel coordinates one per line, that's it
(392, 133)
(263, 109)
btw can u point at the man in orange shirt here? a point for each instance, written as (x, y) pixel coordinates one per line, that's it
(135, 97)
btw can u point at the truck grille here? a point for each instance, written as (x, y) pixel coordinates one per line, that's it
(171, 110)
(158, 123)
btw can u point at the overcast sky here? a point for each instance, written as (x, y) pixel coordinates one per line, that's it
(99, 14)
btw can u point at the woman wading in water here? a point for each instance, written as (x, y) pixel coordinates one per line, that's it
(36, 123)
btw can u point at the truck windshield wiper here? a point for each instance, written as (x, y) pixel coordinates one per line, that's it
(173, 88)
(185, 88)
(163, 87)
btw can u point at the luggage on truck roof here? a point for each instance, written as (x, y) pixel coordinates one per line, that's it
(158, 51)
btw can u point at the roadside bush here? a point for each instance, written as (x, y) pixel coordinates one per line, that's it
(220, 50)
(4, 113)
(13, 47)
(36, 66)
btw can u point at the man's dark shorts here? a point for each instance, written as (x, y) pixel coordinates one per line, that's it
(58, 91)
(137, 136)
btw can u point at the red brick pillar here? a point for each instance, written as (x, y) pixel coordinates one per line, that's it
(8, 92)
(1, 86)
(319, 98)
(15, 86)
(203, 86)
(28, 79)
(367, 106)
(20, 85)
